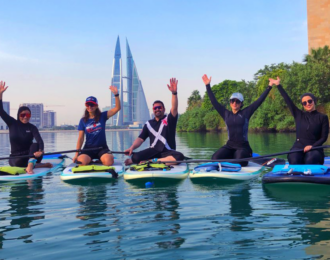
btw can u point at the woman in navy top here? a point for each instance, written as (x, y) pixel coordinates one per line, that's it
(93, 126)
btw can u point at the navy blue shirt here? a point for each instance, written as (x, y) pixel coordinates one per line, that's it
(94, 131)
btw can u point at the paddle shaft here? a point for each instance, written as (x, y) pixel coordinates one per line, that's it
(69, 151)
(244, 159)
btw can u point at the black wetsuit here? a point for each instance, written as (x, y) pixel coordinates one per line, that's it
(237, 146)
(21, 139)
(159, 150)
(312, 128)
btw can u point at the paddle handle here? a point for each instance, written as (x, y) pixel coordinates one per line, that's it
(243, 159)
(69, 151)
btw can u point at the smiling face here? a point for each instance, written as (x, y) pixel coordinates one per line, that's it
(308, 103)
(91, 107)
(159, 110)
(25, 116)
(235, 104)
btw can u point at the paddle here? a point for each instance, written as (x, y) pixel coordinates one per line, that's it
(69, 151)
(243, 159)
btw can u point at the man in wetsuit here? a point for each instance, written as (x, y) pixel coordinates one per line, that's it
(161, 131)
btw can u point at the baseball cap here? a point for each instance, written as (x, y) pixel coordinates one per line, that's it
(91, 99)
(238, 96)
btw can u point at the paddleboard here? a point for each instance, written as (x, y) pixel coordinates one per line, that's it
(177, 172)
(298, 174)
(56, 160)
(251, 171)
(67, 174)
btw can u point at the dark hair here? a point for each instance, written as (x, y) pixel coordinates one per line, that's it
(158, 101)
(97, 115)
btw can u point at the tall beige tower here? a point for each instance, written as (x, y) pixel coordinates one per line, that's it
(318, 15)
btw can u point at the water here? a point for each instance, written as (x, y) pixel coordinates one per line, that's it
(51, 219)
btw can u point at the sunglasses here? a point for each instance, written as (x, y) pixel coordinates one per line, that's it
(27, 115)
(310, 101)
(234, 100)
(90, 105)
(158, 108)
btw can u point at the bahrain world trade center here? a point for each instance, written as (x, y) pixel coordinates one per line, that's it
(133, 102)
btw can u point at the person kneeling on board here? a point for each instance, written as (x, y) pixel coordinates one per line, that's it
(312, 127)
(92, 124)
(161, 131)
(21, 135)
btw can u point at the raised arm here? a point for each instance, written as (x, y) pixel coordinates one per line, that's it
(114, 110)
(293, 108)
(220, 108)
(6, 118)
(254, 106)
(173, 87)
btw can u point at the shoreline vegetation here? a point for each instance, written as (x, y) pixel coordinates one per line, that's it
(312, 75)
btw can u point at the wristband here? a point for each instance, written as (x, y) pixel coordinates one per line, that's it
(174, 93)
(117, 95)
(155, 159)
(33, 161)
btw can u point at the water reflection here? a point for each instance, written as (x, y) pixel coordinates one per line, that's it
(24, 207)
(163, 204)
(311, 203)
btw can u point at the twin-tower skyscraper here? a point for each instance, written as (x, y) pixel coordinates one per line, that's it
(134, 106)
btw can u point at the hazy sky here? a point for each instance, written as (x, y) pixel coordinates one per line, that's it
(60, 52)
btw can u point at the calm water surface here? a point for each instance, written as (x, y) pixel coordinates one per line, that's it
(50, 219)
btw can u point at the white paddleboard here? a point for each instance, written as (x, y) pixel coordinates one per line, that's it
(67, 174)
(178, 172)
(251, 171)
(38, 172)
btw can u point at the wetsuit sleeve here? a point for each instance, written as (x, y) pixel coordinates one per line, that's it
(6, 118)
(325, 132)
(254, 106)
(293, 109)
(38, 138)
(144, 133)
(220, 108)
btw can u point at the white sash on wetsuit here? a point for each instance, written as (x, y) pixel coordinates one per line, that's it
(158, 135)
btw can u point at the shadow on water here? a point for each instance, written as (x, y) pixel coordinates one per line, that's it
(312, 203)
(153, 183)
(91, 182)
(24, 207)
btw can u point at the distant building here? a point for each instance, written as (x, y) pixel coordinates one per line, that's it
(49, 119)
(318, 17)
(133, 101)
(6, 107)
(37, 112)
(107, 109)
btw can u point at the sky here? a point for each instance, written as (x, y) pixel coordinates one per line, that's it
(60, 52)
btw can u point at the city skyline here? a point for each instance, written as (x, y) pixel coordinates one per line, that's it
(132, 97)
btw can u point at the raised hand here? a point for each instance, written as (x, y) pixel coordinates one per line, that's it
(274, 81)
(3, 87)
(114, 90)
(173, 87)
(206, 79)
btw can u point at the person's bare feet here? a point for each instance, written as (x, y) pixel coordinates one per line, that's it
(128, 161)
(29, 168)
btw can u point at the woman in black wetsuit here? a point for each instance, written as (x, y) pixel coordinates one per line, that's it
(237, 122)
(312, 128)
(21, 135)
